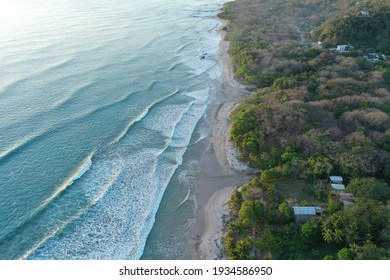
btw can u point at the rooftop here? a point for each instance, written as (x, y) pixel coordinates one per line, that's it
(305, 210)
(336, 178)
(339, 187)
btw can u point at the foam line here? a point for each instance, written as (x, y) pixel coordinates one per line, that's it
(141, 116)
(76, 175)
(185, 199)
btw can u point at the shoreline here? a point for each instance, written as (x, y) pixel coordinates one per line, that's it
(220, 172)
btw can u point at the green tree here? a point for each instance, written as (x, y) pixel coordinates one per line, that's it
(250, 215)
(345, 254)
(235, 202)
(368, 251)
(333, 206)
(369, 188)
(286, 212)
(235, 228)
(266, 241)
(243, 248)
(311, 232)
(230, 245)
(332, 230)
(363, 221)
(319, 167)
(251, 212)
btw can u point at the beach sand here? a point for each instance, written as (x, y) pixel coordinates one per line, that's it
(220, 171)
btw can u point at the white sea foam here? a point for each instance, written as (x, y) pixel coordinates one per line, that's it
(113, 228)
(117, 226)
(141, 116)
(187, 124)
(166, 118)
(185, 199)
(201, 96)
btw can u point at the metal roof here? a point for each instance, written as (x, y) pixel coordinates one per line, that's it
(336, 178)
(305, 210)
(338, 186)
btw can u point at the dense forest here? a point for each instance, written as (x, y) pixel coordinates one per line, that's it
(315, 112)
(367, 30)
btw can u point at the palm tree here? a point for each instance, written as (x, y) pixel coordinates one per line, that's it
(327, 234)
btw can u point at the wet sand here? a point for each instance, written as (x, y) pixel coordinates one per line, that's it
(220, 171)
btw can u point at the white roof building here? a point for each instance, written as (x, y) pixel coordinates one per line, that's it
(338, 187)
(336, 179)
(342, 48)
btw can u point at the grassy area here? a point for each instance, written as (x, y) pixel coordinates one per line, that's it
(298, 192)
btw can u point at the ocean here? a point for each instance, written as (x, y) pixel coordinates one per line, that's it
(100, 101)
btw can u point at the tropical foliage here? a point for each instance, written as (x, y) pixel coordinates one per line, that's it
(315, 112)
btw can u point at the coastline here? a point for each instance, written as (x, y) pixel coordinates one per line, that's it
(220, 171)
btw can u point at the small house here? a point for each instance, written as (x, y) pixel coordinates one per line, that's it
(336, 179)
(365, 13)
(342, 48)
(338, 187)
(304, 213)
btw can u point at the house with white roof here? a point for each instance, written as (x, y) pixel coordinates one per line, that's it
(342, 48)
(337, 183)
(338, 187)
(336, 179)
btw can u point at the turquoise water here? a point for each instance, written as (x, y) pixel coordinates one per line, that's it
(99, 101)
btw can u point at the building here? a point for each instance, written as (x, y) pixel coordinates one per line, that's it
(336, 179)
(338, 187)
(365, 13)
(304, 213)
(342, 48)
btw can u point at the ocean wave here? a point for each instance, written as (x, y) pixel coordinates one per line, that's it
(69, 98)
(117, 226)
(187, 47)
(77, 174)
(81, 171)
(65, 205)
(200, 96)
(142, 115)
(21, 144)
(44, 131)
(35, 75)
(171, 114)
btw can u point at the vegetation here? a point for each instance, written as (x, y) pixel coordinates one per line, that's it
(369, 32)
(315, 112)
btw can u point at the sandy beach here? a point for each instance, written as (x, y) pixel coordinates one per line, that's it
(220, 171)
